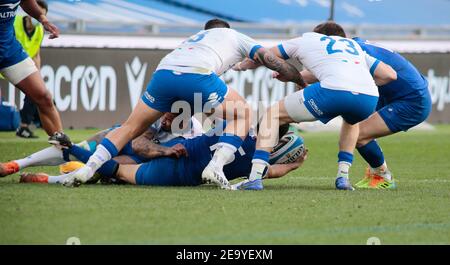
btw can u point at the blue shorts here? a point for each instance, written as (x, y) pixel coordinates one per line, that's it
(168, 171)
(14, 55)
(167, 87)
(159, 172)
(326, 104)
(401, 115)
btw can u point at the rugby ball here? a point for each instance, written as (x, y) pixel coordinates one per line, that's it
(288, 149)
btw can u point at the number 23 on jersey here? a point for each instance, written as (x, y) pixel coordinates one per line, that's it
(351, 49)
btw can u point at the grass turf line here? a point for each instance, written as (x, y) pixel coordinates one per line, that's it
(301, 208)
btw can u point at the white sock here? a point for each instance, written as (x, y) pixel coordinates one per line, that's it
(258, 169)
(98, 158)
(50, 156)
(223, 155)
(343, 169)
(383, 171)
(58, 179)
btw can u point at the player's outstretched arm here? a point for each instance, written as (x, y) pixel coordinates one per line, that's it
(246, 64)
(32, 9)
(249, 63)
(308, 77)
(279, 170)
(384, 74)
(285, 70)
(144, 147)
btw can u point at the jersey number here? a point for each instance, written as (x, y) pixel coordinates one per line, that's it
(351, 47)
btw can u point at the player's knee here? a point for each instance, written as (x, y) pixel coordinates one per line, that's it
(44, 100)
(363, 139)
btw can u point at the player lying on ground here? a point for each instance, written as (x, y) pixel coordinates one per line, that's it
(403, 103)
(192, 70)
(18, 68)
(187, 170)
(346, 89)
(140, 150)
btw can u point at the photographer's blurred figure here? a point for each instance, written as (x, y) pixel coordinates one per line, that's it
(30, 33)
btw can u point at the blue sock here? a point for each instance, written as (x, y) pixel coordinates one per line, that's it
(112, 149)
(108, 169)
(261, 155)
(231, 139)
(345, 157)
(371, 152)
(80, 153)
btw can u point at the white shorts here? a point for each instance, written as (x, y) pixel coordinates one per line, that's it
(19, 71)
(296, 109)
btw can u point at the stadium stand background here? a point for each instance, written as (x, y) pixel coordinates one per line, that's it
(100, 65)
(399, 18)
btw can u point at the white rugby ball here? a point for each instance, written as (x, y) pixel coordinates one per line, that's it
(288, 149)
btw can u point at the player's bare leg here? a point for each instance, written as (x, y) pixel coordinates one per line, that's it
(34, 87)
(378, 175)
(347, 142)
(237, 112)
(290, 109)
(274, 117)
(372, 128)
(127, 173)
(238, 115)
(139, 120)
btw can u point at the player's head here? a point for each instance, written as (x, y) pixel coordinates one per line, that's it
(216, 23)
(166, 120)
(168, 125)
(43, 5)
(330, 28)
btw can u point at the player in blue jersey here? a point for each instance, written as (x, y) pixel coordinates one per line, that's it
(19, 69)
(182, 171)
(402, 104)
(142, 149)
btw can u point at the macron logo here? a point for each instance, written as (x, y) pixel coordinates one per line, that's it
(213, 97)
(316, 109)
(135, 77)
(149, 97)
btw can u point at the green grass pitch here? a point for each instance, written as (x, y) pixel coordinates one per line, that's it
(301, 208)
